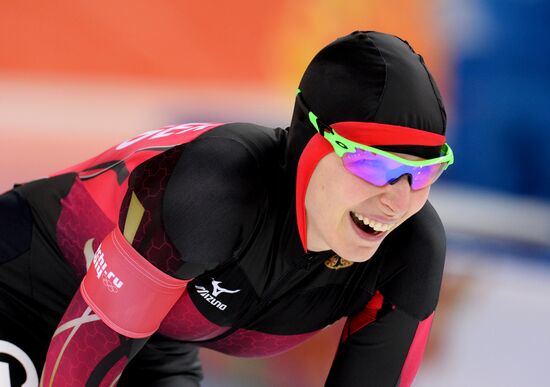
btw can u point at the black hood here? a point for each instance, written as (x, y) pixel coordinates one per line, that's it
(369, 77)
(366, 77)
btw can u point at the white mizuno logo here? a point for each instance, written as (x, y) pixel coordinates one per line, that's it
(216, 291)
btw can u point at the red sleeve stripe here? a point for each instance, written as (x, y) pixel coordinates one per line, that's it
(363, 318)
(416, 352)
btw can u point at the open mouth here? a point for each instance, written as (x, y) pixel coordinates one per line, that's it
(368, 226)
(365, 227)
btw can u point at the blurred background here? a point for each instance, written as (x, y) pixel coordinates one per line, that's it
(77, 77)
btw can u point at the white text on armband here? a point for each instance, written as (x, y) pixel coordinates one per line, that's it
(110, 280)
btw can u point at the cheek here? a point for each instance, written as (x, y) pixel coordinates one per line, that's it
(418, 199)
(318, 201)
(336, 192)
(332, 192)
(346, 197)
(331, 200)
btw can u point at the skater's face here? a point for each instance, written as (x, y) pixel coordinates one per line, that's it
(352, 217)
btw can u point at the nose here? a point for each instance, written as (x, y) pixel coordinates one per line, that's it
(396, 196)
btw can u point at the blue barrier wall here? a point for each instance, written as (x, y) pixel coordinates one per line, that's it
(501, 127)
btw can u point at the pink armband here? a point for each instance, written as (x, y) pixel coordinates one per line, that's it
(129, 294)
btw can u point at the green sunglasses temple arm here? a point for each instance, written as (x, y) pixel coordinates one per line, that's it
(311, 116)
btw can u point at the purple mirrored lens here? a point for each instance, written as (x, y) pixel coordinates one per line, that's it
(380, 170)
(424, 176)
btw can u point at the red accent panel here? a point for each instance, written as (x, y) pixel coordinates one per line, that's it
(416, 352)
(247, 343)
(315, 150)
(129, 294)
(185, 322)
(80, 220)
(148, 182)
(363, 318)
(371, 133)
(106, 190)
(63, 375)
(91, 341)
(167, 136)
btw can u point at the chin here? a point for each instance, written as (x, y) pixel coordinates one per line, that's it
(358, 254)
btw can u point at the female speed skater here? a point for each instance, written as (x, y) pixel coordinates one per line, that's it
(237, 237)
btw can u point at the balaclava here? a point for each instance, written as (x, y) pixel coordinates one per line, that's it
(365, 77)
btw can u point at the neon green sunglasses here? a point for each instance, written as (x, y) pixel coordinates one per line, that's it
(377, 166)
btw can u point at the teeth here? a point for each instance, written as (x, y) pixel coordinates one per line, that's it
(377, 226)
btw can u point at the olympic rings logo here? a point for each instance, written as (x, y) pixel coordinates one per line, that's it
(109, 283)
